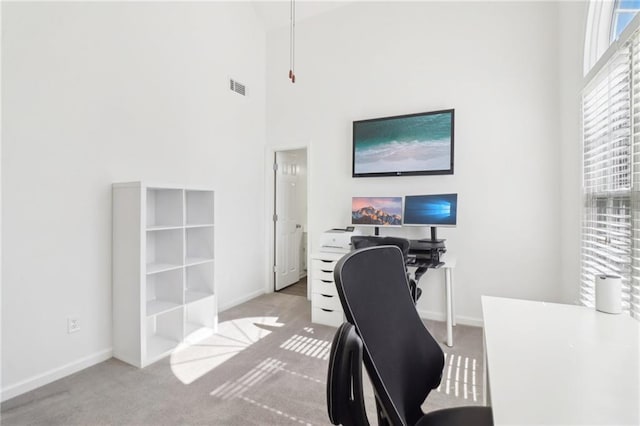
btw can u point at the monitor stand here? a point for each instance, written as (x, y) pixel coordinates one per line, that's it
(434, 239)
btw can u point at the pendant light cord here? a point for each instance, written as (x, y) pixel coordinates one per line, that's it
(292, 41)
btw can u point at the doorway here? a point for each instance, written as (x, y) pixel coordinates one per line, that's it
(290, 221)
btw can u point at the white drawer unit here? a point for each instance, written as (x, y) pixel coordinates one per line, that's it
(323, 265)
(327, 317)
(323, 276)
(325, 303)
(324, 287)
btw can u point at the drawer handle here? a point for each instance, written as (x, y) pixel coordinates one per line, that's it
(325, 281)
(326, 295)
(326, 261)
(329, 271)
(327, 310)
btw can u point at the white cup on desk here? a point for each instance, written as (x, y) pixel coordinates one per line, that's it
(609, 294)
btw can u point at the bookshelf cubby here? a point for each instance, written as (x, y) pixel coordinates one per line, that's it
(199, 281)
(164, 291)
(164, 249)
(199, 245)
(164, 208)
(199, 207)
(164, 333)
(163, 270)
(198, 324)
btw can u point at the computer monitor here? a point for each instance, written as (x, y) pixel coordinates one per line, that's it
(431, 210)
(376, 211)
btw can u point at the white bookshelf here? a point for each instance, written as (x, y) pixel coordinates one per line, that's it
(163, 270)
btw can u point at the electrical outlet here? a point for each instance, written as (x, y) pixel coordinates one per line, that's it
(73, 324)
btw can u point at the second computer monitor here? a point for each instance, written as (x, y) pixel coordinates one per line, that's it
(431, 210)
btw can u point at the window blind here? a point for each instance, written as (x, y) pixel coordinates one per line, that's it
(611, 176)
(634, 279)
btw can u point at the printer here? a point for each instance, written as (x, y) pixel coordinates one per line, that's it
(337, 240)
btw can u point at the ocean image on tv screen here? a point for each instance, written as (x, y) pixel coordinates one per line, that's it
(378, 211)
(405, 144)
(431, 209)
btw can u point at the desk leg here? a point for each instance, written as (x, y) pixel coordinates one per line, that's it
(447, 280)
(453, 298)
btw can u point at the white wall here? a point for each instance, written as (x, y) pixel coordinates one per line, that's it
(496, 63)
(95, 93)
(573, 17)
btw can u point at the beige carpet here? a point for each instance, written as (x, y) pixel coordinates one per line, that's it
(267, 366)
(296, 289)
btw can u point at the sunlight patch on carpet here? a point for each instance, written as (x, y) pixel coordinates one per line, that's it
(276, 411)
(308, 346)
(257, 374)
(459, 377)
(189, 362)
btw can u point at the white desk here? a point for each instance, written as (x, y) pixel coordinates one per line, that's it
(552, 364)
(322, 284)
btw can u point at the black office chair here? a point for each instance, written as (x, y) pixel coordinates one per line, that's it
(345, 401)
(364, 241)
(402, 359)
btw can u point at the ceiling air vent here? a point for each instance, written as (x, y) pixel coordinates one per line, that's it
(237, 87)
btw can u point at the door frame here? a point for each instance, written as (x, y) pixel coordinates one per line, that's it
(270, 198)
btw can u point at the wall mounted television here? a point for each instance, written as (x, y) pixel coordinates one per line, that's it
(376, 211)
(404, 145)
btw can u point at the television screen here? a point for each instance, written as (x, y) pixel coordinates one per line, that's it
(431, 210)
(415, 144)
(376, 211)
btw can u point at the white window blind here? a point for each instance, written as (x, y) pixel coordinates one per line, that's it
(611, 176)
(634, 279)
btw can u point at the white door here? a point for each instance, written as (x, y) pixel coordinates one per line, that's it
(287, 226)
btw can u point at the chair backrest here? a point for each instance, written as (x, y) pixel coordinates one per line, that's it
(364, 241)
(345, 401)
(403, 360)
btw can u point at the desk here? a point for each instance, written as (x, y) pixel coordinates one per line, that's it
(555, 364)
(325, 307)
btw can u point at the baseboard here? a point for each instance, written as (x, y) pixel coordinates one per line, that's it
(440, 316)
(35, 382)
(240, 300)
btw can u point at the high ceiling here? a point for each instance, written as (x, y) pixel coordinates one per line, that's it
(276, 14)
